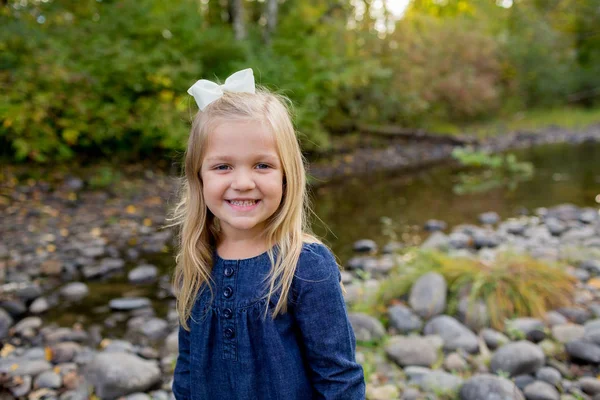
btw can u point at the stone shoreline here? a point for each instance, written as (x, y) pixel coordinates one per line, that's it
(403, 155)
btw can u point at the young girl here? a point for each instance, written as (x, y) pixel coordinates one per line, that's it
(259, 298)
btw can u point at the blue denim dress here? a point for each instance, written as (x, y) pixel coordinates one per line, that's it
(231, 352)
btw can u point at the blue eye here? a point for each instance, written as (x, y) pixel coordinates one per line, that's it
(222, 167)
(262, 166)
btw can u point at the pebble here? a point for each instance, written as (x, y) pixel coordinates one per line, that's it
(411, 350)
(539, 390)
(517, 358)
(366, 328)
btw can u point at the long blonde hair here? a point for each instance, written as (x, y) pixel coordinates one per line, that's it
(287, 229)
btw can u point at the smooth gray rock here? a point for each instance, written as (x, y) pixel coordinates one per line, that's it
(29, 367)
(411, 350)
(455, 362)
(6, 322)
(567, 332)
(143, 274)
(489, 387)
(578, 315)
(23, 389)
(539, 390)
(591, 265)
(455, 335)
(523, 380)
(513, 227)
(74, 291)
(129, 303)
(28, 323)
(441, 382)
(403, 319)
(366, 327)
(172, 342)
(415, 374)
(436, 241)
(14, 307)
(489, 218)
(549, 375)
(364, 246)
(120, 374)
(65, 352)
(39, 306)
(411, 394)
(433, 225)
(555, 318)
(119, 346)
(590, 385)
(48, 380)
(460, 240)
(155, 329)
(517, 358)
(583, 350)
(531, 328)
(363, 263)
(483, 239)
(493, 339)
(592, 331)
(555, 226)
(428, 295)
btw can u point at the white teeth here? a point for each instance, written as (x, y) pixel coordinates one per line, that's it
(244, 203)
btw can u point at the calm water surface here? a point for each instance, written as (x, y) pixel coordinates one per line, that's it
(352, 209)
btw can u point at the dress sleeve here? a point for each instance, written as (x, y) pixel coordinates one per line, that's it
(328, 340)
(181, 376)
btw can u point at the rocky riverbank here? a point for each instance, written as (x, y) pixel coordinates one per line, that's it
(424, 353)
(403, 155)
(58, 241)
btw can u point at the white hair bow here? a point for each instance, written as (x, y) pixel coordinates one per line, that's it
(205, 92)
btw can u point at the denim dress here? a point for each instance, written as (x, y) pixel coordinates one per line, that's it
(231, 352)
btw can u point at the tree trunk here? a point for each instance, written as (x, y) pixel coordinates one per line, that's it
(239, 26)
(271, 20)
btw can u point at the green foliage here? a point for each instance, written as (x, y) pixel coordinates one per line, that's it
(489, 171)
(108, 78)
(513, 285)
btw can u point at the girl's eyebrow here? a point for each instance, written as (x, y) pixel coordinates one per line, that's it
(266, 156)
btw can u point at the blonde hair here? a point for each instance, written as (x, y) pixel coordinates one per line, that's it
(287, 228)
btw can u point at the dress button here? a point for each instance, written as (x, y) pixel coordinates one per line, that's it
(229, 271)
(227, 313)
(229, 333)
(228, 292)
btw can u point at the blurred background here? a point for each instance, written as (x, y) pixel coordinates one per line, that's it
(468, 127)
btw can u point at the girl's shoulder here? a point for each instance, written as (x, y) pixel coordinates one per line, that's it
(316, 262)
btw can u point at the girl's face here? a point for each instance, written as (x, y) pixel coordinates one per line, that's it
(242, 177)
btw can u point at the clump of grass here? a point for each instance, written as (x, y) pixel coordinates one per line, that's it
(513, 285)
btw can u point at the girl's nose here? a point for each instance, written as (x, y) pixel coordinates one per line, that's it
(243, 180)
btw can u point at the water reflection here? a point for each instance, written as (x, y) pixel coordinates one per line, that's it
(352, 209)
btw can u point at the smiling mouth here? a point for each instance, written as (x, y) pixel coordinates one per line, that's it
(243, 203)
